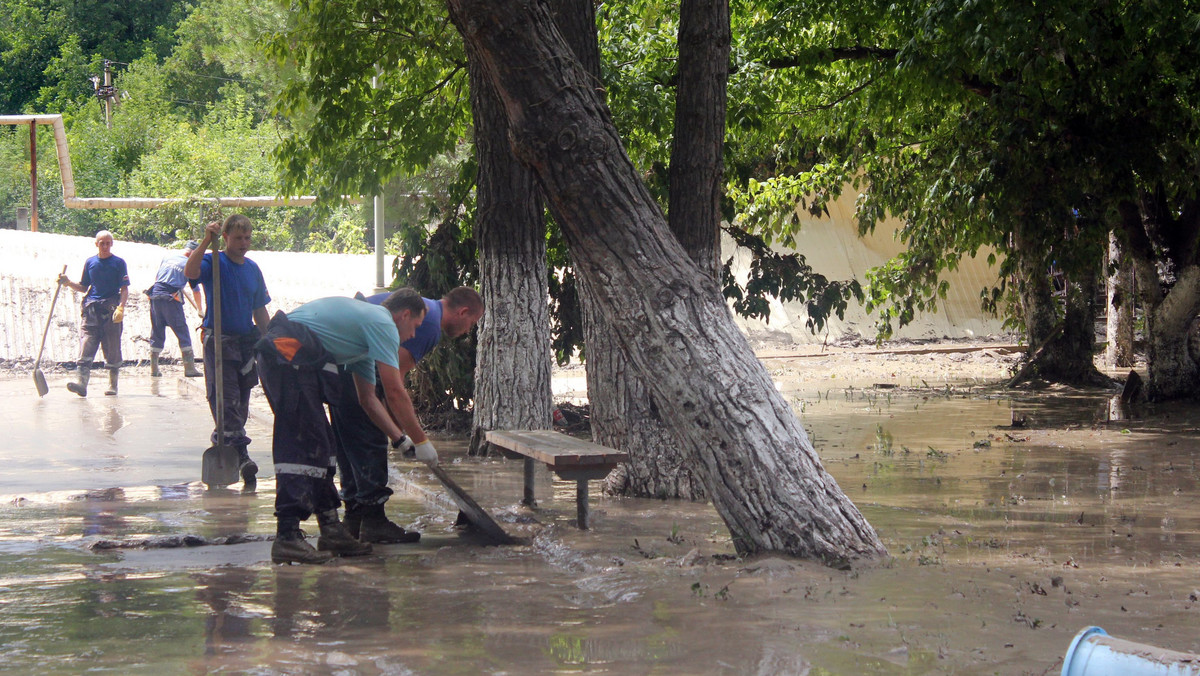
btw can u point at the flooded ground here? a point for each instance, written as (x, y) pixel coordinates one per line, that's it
(1005, 540)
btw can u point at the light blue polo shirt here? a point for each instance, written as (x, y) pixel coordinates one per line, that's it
(355, 334)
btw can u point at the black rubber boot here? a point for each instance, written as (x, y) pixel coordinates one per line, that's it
(154, 372)
(80, 388)
(378, 529)
(189, 364)
(113, 376)
(290, 547)
(336, 539)
(247, 467)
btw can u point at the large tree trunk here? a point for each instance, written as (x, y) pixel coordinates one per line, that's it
(1119, 317)
(512, 373)
(656, 467)
(1173, 370)
(1061, 341)
(623, 414)
(757, 464)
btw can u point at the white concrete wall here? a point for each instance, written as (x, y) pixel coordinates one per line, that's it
(30, 262)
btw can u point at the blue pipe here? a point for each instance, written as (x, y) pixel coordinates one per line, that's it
(1094, 653)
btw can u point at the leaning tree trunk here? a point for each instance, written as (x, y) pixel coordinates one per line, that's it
(1119, 317)
(759, 468)
(660, 468)
(623, 414)
(512, 372)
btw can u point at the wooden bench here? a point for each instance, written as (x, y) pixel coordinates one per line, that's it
(568, 457)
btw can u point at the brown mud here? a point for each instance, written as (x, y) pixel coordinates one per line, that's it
(1005, 541)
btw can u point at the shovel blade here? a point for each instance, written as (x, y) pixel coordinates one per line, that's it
(219, 466)
(39, 379)
(479, 518)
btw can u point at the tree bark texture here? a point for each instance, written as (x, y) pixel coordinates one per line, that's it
(1119, 318)
(761, 472)
(697, 164)
(513, 361)
(623, 413)
(1170, 355)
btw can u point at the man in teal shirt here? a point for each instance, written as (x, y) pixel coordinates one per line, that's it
(299, 359)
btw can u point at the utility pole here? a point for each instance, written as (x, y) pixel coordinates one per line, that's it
(106, 92)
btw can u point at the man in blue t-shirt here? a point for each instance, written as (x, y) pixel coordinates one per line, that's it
(362, 448)
(166, 310)
(106, 282)
(244, 316)
(299, 359)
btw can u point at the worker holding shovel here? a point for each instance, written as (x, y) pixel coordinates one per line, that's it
(106, 282)
(243, 304)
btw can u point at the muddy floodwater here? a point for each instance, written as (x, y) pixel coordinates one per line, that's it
(1005, 539)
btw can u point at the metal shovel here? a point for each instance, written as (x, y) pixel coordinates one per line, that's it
(39, 378)
(219, 466)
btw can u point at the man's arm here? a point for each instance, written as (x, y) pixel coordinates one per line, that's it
(261, 319)
(191, 269)
(66, 281)
(399, 404)
(124, 295)
(374, 408)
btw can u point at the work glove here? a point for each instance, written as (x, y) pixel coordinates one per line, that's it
(427, 453)
(118, 314)
(403, 444)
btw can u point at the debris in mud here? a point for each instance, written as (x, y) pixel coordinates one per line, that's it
(176, 541)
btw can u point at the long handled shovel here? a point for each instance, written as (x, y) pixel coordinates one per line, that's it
(39, 378)
(219, 467)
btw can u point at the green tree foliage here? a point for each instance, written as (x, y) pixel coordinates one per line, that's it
(970, 118)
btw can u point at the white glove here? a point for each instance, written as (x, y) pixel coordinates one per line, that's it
(403, 444)
(427, 453)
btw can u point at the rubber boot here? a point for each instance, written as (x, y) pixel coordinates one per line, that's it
(189, 364)
(113, 374)
(290, 546)
(336, 539)
(247, 467)
(154, 372)
(80, 387)
(353, 518)
(378, 529)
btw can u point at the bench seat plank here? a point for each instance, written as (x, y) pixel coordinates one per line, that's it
(555, 449)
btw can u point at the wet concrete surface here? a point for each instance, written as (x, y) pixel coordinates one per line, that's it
(1005, 542)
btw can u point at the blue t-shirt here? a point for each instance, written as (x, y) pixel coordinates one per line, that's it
(355, 334)
(428, 333)
(170, 278)
(243, 290)
(104, 278)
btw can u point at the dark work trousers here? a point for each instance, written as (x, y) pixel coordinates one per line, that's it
(361, 448)
(166, 312)
(303, 444)
(99, 331)
(239, 378)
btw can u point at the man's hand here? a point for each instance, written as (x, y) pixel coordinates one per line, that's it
(63, 279)
(403, 444)
(427, 453)
(118, 314)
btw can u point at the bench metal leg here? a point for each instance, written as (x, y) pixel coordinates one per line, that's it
(581, 503)
(529, 500)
